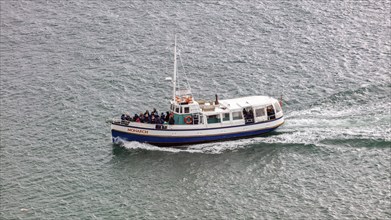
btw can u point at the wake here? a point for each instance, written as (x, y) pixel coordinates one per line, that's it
(307, 127)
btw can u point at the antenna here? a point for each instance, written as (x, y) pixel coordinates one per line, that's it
(175, 69)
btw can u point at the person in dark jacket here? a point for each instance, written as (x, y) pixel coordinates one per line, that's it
(142, 118)
(157, 119)
(167, 117)
(146, 114)
(171, 121)
(127, 116)
(244, 113)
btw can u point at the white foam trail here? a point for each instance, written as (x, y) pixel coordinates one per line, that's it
(144, 146)
(221, 147)
(207, 148)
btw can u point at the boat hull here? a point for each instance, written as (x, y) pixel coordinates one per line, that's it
(176, 137)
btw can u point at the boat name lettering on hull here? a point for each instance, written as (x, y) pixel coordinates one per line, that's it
(133, 130)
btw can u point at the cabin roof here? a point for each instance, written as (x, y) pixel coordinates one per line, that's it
(243, 102)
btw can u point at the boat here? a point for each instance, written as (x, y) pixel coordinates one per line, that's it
(191, 121)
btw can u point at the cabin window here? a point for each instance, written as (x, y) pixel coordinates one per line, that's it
(277, 106)
(226, 117)
(177, 109)
(213, 119)
(187, 109)
(237, 115)
(260, 112)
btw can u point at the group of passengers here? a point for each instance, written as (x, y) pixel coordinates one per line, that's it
(151, 118)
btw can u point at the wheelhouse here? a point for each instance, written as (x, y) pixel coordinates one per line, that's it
(186, 111)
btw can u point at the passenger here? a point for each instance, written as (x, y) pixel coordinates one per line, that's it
(157, 119)
(167, 117)
(127, 116)
(142, 119)
(244, 112)
(147, 117)
(154, 112)
(171, 121)
(270, 111)
(162, 116)
(123, 117)
(138, 120)
(152, 119)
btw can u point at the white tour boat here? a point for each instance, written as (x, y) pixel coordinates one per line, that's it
(191, 121)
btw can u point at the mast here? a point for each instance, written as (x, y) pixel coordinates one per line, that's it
(175, 69)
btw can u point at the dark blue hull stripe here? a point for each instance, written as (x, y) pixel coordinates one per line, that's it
(184, 140)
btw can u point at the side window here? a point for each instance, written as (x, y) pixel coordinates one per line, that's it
(260, 112)
(213, 119)
(277, 106)
(226, 117)
(177, 109)
(237, 115)
(187, 110)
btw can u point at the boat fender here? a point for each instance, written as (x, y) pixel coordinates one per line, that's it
(188, 120)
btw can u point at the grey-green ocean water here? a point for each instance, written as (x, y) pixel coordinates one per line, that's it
(67, 67)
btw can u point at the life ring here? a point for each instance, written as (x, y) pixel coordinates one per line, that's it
(188, 120)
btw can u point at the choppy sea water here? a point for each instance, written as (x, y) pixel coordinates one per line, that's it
(68, 67)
